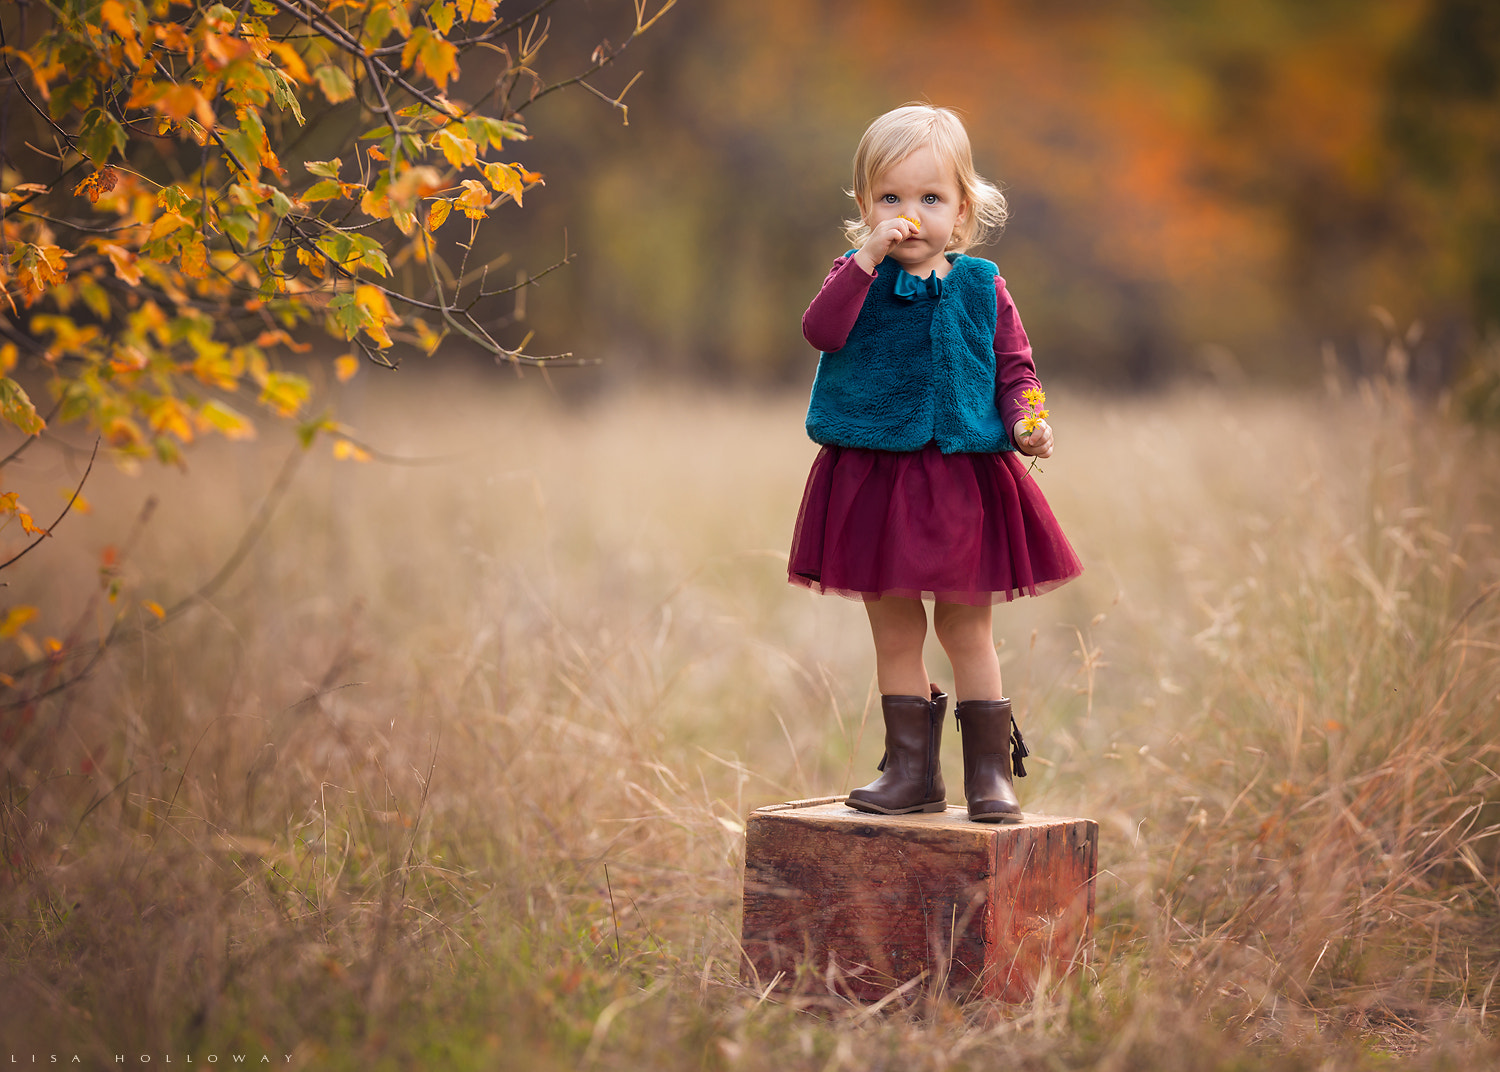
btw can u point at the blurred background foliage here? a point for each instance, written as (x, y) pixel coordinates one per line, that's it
(1200, 187)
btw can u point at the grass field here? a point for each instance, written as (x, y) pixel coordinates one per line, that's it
(451, 772)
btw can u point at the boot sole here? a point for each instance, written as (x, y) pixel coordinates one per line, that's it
(996, 817)
(866, 806)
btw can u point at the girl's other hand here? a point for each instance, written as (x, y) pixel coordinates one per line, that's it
(1035, 444)
(884, 237)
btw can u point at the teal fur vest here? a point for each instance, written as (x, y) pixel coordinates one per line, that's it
(915, 372)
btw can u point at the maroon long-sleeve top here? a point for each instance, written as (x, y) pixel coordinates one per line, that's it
(831, 316)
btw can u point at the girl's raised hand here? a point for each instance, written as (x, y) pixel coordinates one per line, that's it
(1037, 443)
(884, 237)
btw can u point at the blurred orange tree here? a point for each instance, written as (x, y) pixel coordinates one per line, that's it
(167, 239)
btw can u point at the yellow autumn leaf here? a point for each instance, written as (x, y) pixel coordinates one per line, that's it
(438, 214)
(165, 224)
(426, 337)
(460, 151)
(154, 607)
(438, 59)
(195, 259)
(285, 392)
(375, 203)
(477, 10)
(15, 620)
(505, 180)
(345, 366)
(124, 262)
(371, 300)
(167, 415)
(474, 200)
(344, 450)
(429, 53)
(229, 423)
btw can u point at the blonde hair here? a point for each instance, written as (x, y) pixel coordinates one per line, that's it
(895, 136)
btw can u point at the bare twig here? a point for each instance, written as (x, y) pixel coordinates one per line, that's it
(48, 531)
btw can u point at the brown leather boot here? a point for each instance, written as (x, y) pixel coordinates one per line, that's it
(911, 780)
(992, 748)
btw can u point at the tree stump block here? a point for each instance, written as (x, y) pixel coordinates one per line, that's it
(859, 905)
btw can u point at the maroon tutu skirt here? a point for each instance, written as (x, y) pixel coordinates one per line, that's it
(957, 528)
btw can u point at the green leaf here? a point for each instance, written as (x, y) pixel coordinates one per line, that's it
(284, 92)
(496, 130)
(245, 151)
(16, 407)
(324, 191)
(334, 82)
(99, 135)
(370, 253)
(337, 247)
(239, 227)
(378, 24)
(95, 297)
(441, 13)
(325, 169)
(173, 197)
(281, 204)
(71, 95)
(347, 316)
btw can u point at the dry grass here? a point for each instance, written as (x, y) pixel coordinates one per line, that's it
(452, 772)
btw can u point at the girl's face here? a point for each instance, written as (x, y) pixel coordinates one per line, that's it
(923, 188)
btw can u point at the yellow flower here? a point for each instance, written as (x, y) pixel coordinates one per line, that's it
(1034, 397)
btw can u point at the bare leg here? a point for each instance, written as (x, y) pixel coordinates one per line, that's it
(899, 627)
(965, 633)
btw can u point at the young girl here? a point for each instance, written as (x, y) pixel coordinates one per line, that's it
(918, 490)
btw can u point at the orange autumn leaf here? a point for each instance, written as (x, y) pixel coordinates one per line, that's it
(427, 52)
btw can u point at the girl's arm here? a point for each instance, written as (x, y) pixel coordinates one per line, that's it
(1015, 372)
(832, 314)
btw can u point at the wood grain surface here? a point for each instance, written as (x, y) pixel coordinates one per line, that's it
(842, 902)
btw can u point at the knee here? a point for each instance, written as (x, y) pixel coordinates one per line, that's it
(963, 633)
(898, 628)
(900, 636)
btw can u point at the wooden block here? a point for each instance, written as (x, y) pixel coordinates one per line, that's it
(857, 904)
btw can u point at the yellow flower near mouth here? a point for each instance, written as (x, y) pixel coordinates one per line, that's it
(915, 223)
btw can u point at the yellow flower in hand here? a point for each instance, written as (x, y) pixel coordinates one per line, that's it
(1034, 398)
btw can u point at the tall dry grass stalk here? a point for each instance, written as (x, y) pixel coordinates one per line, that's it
(452, 773)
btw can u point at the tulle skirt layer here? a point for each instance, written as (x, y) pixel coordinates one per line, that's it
(958, 528)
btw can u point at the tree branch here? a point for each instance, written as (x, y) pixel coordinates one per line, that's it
(48, 531)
